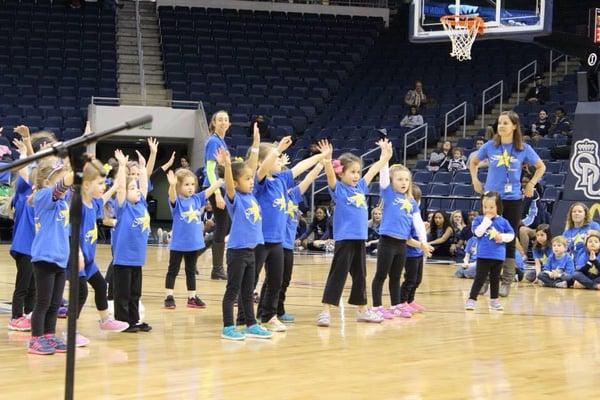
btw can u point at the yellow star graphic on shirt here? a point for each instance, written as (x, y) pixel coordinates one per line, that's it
(280, 202)
(37, 227)
(406, 205)
(504, 159)
(578, 239)
(92, 234)
(191, 215)
(64, 216)
(492, 233)
(253, 211)
(544, 259)
(144, 221)
(593, 270)
(291, 209)
(358, 200)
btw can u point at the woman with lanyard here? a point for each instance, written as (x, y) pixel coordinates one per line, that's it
(506, 153)
(219, 124)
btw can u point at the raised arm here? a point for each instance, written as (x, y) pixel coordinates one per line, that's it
(110, 193)
(121, 178)
(153, 144)
(166, 166)
(25, 137)
(213, 188)
(386, 154)
(143, 173)
(252, 161)
(224, 159)
(303, 165)
(22, 149)
(269, 161)
(310, 177)
(329, 171)
(172, 179)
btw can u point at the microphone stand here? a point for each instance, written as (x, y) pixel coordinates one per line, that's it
(74, 149)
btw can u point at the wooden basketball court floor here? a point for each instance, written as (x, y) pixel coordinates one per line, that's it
(545, 345)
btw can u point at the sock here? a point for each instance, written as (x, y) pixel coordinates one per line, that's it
(169, 292)
(191, 294)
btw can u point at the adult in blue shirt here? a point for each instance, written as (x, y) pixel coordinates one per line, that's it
(219, 124)
(506, 153)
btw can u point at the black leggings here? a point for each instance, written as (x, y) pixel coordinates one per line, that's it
(99, 284)
(23, 298)
(110, 271)
(128, 291)
(413, 275)
(240, 281)
(288, 268)
(271, 256)
(222, 224)
(512, 212)
(190, 258)
(348, 256)
(50, 283)
(391, 256)
(486, 267)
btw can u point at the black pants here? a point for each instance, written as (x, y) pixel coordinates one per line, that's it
(391, 256)
(97, 282)
(50, 283)
(486, 267)
(348, 256)
(512, 212)
(190, 258)
(240, 281)
(222, 224)
(23, 298)
(128, 290)
(413, 275)
(271, 256)
(288, 268)
(109, 280)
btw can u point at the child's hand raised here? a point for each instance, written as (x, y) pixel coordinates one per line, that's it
(223, 157)
(284, 144)
(153, 144)
(285, 159)
(325, 148)
(22, 130)
(120, 157)
(387, 149)
(141, 159)
(21, 146)
(171, 178)
(255, 135)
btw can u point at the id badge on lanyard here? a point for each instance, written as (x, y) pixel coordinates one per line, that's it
(508, 187)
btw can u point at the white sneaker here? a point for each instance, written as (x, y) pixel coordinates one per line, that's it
(275, 325)
(368, 316)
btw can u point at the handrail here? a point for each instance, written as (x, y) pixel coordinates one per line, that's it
(484, 101)
(138, 31)
(463, 116)
(416, 141)
(553, 60)
(521, 79)
(313, 191)
(168, 102)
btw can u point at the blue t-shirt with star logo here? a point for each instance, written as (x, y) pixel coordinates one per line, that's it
(23, 229)
(188, 228)
(505, 165)
(293, 216)
(246, 221)
(398, 212)
(88, 235)
(542, 254)
(576, 238)
(271, 194)
(486, 244)
(564, 263)
(351, 215)
(131, 234)
(471, 249)
(51, 241)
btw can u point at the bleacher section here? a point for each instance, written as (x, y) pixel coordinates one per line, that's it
(53, 59)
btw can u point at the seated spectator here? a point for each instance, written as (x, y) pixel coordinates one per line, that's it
(412, 119)
(479, 141)
(561, 124)
(559, 268)
(468, 267)
(416, 97)
(540, 127)
(439, 159)
(185, 164)
(587, 275)
(440, 234)
(302, 228)
(320, 228)
(538, 94)
(373, 232)
(458, 162)
(458, 225)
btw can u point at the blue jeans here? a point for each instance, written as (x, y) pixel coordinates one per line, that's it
(467, 273)
(589, 283)
(551, 282)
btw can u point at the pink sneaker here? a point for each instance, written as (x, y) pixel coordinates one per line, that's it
(383, 312)
(81, 341)
(21, 324)
(417, 307)
(112, 325)
(401, 311)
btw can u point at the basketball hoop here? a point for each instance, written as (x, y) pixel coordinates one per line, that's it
(462, 30)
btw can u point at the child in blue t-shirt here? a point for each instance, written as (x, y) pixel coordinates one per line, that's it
(493, 232)
(245, 234)
(94, 198)
(400, 214)
(188, 232)
(49, 252)
(587, 274)
(468, 268)
(542, 249)
(576, 228)
(271, 192)
(559, 268)
(350, 221)
(129, 244)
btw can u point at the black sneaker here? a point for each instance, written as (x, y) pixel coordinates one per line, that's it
(132, 329)
(195, 302)
(218, 273)
(144, 327)
(170, 303)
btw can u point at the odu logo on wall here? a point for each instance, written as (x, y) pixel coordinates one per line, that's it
(585, 166)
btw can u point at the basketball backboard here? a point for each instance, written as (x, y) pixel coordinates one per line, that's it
(513, 19)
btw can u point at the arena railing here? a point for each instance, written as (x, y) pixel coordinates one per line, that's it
(140, 48)
(423, 138)
(523, 76)
(116, 101)
(553, 60)
(343, 3)
(485, 100)
(463, 116)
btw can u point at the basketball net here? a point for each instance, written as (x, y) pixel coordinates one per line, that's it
(462, 30)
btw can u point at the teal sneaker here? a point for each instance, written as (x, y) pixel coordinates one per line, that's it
(230, 333)
(258, 332)
(286, 318)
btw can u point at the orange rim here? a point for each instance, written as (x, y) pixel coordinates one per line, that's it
(464, 20)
